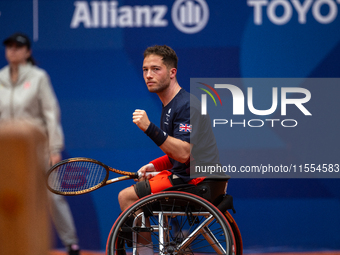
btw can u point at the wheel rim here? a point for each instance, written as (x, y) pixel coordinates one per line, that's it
(179, 224)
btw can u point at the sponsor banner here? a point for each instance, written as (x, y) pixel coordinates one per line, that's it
(280, 12)
(113, 24)
(69, 24)
(290, 120)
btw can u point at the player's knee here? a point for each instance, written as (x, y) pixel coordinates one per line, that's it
(126, 197)
(122, 196)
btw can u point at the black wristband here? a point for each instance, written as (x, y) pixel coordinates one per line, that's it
(156, 134)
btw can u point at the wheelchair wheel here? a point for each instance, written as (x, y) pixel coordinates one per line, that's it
(237, 234)
(175, 223)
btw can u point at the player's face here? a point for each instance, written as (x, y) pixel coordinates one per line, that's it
(16, 54)
(156, 74)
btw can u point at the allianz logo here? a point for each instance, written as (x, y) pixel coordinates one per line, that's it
(188, 16)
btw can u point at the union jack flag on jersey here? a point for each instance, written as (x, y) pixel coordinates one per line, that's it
(185, 128)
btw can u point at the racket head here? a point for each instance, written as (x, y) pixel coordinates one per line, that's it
(76, 176)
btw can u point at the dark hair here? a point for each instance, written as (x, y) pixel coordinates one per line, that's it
(168, 55)
(31, 60)
(21, 40)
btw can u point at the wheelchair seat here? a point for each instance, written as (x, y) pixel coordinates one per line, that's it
(213, 189)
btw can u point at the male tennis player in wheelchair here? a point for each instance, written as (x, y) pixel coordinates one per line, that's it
(184, 134)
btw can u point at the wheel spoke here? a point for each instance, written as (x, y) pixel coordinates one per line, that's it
(179, 224)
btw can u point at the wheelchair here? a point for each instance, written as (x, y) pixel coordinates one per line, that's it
(184, 219)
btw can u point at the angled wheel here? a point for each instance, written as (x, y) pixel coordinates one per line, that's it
(237, 234)
(171, 223)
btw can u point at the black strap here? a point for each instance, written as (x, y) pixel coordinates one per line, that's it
(142, 188)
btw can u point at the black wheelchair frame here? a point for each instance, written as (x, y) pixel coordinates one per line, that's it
(184, 219)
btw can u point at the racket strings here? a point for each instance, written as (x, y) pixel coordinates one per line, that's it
(76, 176)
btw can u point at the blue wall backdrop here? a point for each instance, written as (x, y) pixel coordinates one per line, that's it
(93, 52)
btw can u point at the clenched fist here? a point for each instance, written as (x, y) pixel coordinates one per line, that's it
(140, 118)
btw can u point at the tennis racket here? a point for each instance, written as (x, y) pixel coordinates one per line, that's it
(76, 176)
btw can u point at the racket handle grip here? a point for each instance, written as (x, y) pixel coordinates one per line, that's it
(151, 174)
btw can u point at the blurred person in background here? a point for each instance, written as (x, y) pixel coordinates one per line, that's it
(26, 93)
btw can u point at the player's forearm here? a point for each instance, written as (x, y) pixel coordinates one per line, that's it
(177, 149)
